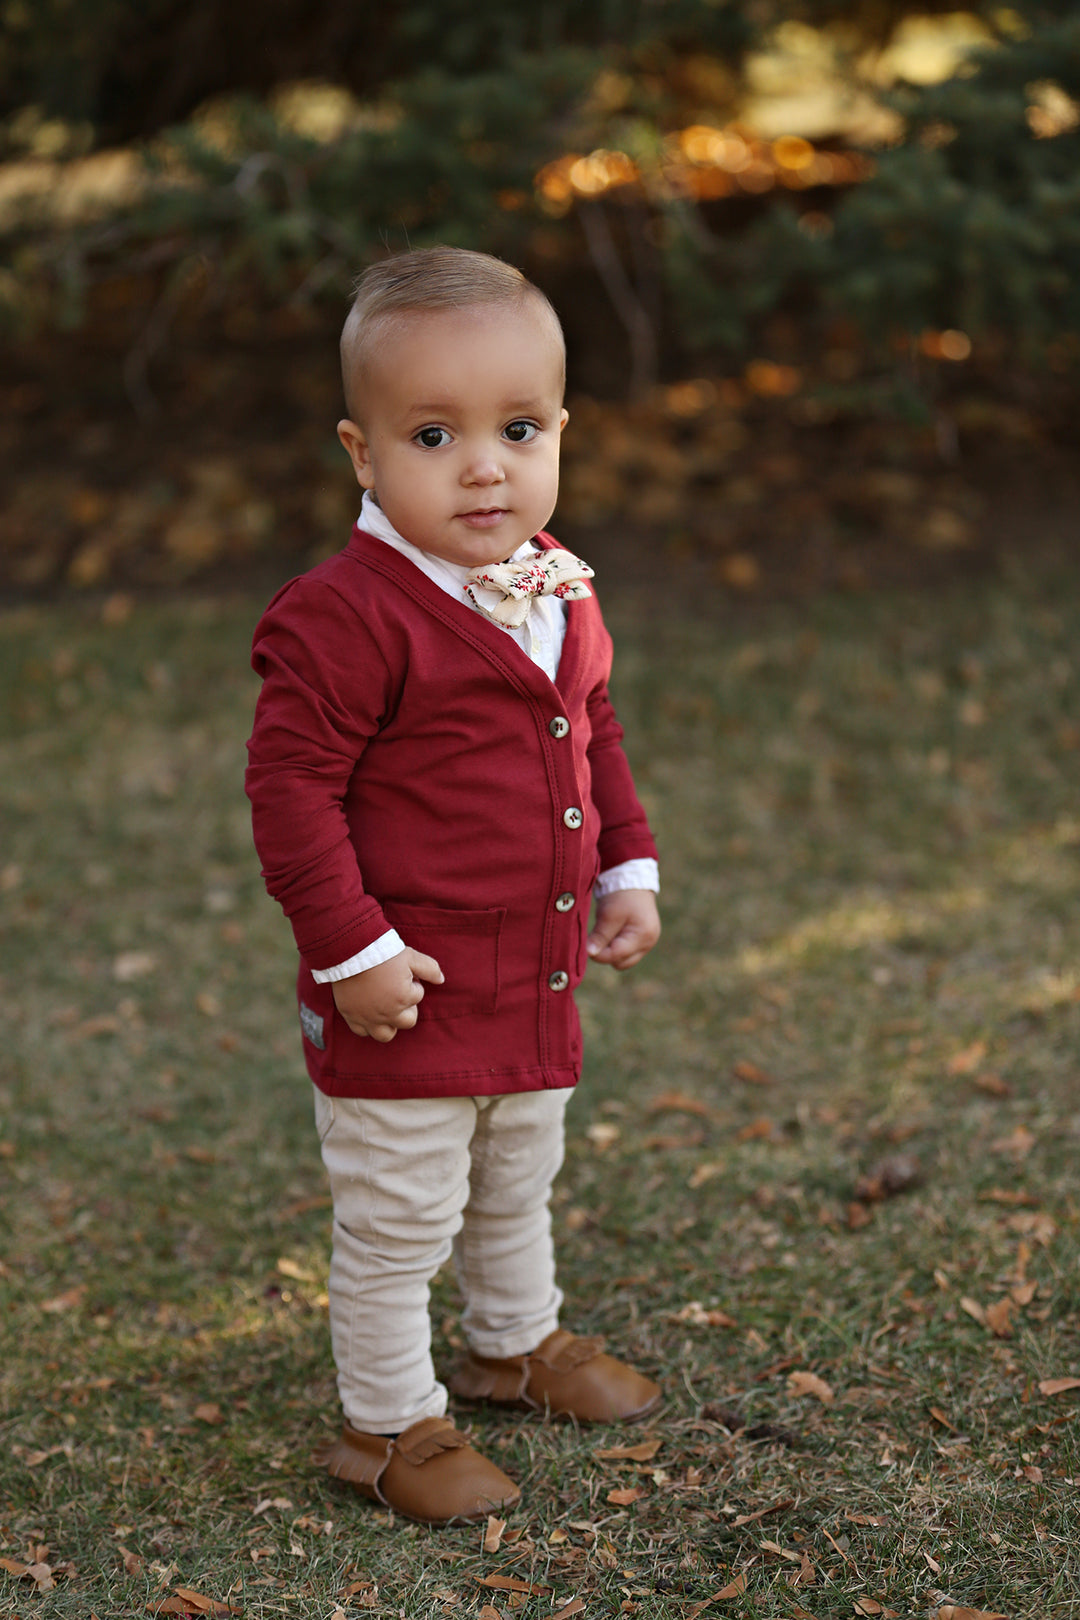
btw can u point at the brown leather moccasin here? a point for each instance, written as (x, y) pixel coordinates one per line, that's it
(566, 1375)
(429, 1472)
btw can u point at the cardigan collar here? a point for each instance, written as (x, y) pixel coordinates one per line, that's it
(488, 638)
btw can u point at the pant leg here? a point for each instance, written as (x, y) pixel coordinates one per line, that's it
(503, 1252)
(399, 1175)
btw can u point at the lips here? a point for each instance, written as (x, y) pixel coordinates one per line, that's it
(484, 517)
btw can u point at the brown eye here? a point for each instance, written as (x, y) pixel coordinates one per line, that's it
(432, 438)
(520, 432)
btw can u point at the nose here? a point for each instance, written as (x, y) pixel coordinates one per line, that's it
(483, 468)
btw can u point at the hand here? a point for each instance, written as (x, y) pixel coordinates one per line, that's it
(627, 927)
(384, 999)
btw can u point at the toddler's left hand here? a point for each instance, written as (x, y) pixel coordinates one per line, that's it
(627, 927)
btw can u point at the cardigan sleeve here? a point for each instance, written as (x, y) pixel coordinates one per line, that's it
(624, 828)
(326, 691)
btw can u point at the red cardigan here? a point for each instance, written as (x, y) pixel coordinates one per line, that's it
(411, 767)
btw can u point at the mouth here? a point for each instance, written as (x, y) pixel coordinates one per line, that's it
(484, 517)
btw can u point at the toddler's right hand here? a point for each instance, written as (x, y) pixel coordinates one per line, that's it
(384, 999)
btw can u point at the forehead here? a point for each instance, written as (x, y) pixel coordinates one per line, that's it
(506, 347)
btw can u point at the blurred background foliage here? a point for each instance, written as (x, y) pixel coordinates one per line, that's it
(837, 207)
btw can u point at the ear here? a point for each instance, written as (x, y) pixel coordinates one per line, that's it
(564, 417)
(356, 448)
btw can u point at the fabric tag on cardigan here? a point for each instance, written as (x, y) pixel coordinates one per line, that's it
(312, 1026)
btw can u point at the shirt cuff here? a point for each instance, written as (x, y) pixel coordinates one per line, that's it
(387, 945)
(643, 873)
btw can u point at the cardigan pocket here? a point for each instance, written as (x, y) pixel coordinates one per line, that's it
(466, 946)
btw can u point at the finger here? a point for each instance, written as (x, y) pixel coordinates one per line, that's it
(625, 949)
(600, 939)
(406, 1018)
(382, 1032)
(425, 967)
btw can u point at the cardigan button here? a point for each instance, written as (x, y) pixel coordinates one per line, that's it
(559, 726)
(559, 981)
(573, 818)
(565, 902)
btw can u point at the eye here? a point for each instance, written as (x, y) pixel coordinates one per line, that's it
(520, 432)
(432, 438)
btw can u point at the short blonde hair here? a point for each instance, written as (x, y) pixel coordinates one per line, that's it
(426, 280)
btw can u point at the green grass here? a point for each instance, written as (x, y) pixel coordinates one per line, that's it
(869, 817)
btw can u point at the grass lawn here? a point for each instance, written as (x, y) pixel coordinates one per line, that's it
(821, 1172)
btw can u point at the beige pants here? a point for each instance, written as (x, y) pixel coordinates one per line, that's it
(414, 1180)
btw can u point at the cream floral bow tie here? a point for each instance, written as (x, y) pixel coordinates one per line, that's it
(505, 591)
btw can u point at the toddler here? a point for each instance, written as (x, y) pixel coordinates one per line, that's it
(438, 789)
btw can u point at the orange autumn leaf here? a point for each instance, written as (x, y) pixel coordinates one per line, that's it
(644, 1452)
(759, 1130)
(993, 1085)
(626, 1496)
(808, 1383)
(763, 1513)
(965, 1061)
(493, 1533)
(679, 1103)
(1017, 1145)
(998, 1318)
(1057, 1386)
(575, 1606)
(732, 1589)
(751, 1073)
(960, 1611)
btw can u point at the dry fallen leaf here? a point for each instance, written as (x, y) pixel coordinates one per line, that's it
(751, 1073)
(759, 1130)
(602, 1135)
(67, 1301)
(295, 1271)
(626, 1496)
(762, 1513)
(890, 1176)
(575, 1606)
(1057, 1386)
(489, 1612)
(493, 1533)
(209, 1412)
(131, 965)
(993, 1085)
(509, 1583)
(998, 1318)
(973, 1308)
(960, 1611)
(732, 1589)
(1035, 1224)
(678, 1102)
(965, 1061)
(704, 1173)
(1017, 1145)
(808, 1383)
(644, 1452)
(132, 1562)
(696, 1313)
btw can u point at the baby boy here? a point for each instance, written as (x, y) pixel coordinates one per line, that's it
(439, 791)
